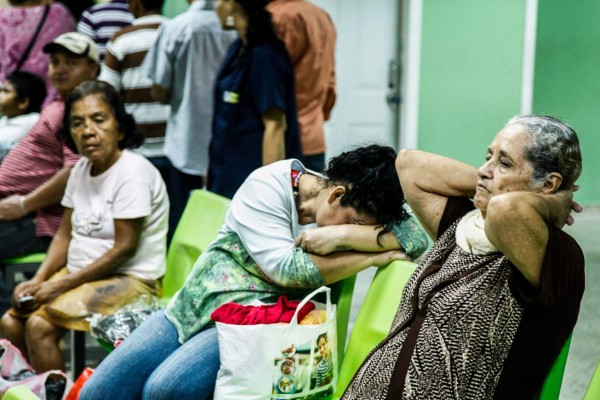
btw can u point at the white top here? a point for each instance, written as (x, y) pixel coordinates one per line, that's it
(185, 59)
(130, 189)
(13, 129)
(264, 216)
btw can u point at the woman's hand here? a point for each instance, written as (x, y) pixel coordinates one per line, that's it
(564, 212)
(48, 291)
(385, 257)
(321, 241)
(27, 288)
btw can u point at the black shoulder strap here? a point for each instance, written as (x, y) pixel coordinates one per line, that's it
(33, 39)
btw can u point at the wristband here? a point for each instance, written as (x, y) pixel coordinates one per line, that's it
(22, 204)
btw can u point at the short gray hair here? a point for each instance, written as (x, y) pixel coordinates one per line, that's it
(554, 148)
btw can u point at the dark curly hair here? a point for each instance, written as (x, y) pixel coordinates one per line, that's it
(372, 184)
(132, 137)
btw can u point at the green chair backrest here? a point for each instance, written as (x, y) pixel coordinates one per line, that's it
(374, 319)
(551, 388)
(341, 295)
(198, 227)
(593, 390)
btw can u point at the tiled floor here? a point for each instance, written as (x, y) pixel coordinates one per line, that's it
(585, 346)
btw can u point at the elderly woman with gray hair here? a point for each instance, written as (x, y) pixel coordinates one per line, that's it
(490, 306)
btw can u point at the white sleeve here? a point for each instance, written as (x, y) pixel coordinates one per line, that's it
(261, 216)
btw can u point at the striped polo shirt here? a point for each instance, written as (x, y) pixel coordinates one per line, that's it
(124, 55)
(102, 21)
(37, 157)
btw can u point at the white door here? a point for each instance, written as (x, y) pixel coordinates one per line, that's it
(368, 33)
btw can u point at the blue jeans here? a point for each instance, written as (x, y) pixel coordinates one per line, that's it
(152, 364)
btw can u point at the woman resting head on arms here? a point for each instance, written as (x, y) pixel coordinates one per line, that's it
(111, 245)
(260, 254)
(491, 304)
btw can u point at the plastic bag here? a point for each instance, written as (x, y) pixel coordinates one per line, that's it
(116, 327)
(279, 361)
(15, 370)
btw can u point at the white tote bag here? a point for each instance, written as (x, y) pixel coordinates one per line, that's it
(279, 361)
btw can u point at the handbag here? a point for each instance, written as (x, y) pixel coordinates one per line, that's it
(279, 361)
(33, 38)
(15, 370)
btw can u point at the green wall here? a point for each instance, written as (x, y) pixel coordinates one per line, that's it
(567, 78)
(172, 8)
(470, 74)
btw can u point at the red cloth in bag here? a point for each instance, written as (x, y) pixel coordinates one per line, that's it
(239, 314)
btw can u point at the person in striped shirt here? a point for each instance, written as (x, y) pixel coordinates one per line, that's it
(101, 21)
(34, 174)
(121, 68)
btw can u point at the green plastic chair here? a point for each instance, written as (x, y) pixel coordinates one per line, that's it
(26, 264)
(551, 388)
(374, 319)
(341, 295)
(593, 390)
(198, 227)
(19, 392)
(200, 222)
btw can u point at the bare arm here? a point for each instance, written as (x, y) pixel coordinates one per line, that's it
(428, 180)
(127, 235)
(47, 194)
(273, 148)
(516, 225)
(160, 94)
(337, 266)
(328, 239)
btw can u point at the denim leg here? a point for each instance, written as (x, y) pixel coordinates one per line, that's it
(17, 238)
(189, 373)
(123, 373)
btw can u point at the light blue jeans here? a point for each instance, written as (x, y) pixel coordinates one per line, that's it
(152, 364)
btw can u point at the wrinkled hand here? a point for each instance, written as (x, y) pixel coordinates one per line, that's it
(10, 208)
(48, 291)
(27, 288)
(385, 257)
(568, 206)
(320, 241)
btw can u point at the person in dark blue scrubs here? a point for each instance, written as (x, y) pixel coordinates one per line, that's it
(255, 120)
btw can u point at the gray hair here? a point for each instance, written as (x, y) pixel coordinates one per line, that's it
(554, 148)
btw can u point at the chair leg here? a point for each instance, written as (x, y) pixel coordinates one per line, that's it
(77, 353)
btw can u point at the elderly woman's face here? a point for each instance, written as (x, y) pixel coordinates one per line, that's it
(505, 169)
(95, 132)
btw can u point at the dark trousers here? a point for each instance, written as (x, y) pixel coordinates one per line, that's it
(17, 238)
(179, 185)
(315, 162)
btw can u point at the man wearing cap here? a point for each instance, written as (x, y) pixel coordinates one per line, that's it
(34, 174)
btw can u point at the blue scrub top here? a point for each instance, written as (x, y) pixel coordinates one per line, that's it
(249, 83)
